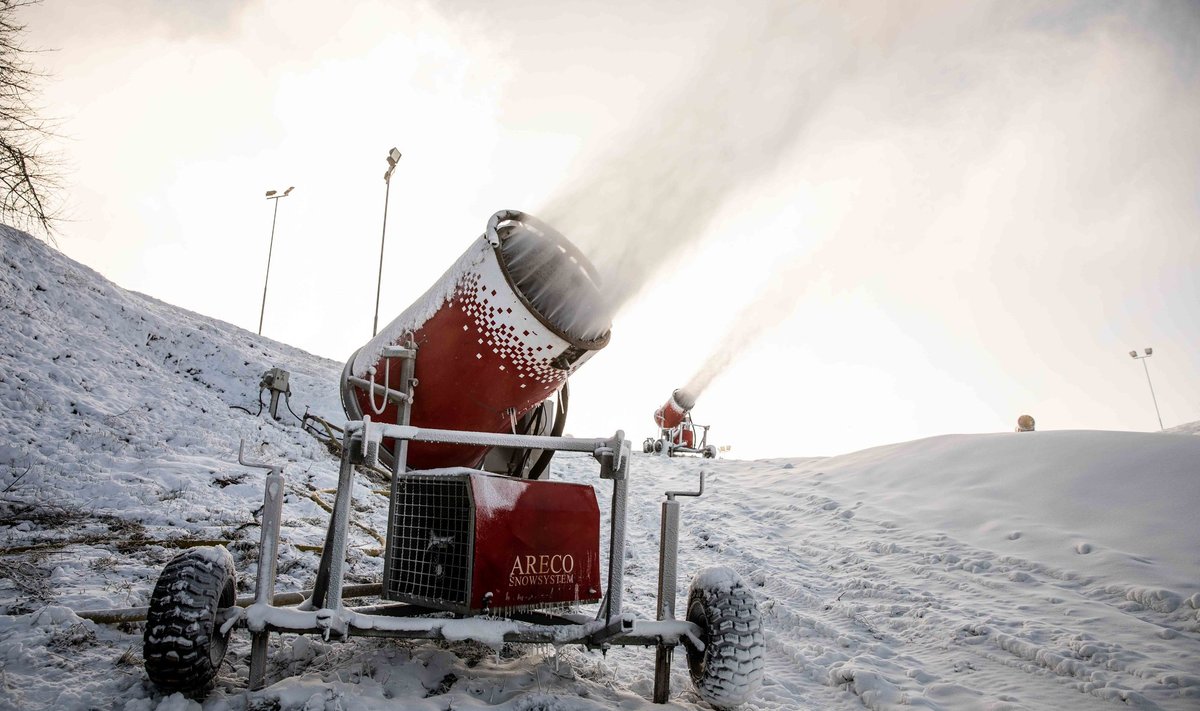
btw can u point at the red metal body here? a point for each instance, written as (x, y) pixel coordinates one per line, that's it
(499, 333)
(454, 363)
(685, 437)
(470, 542)
(673, 410)
(536, 542)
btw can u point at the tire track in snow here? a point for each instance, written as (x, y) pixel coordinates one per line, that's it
(880, 616)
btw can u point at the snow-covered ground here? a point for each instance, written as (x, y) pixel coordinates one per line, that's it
(1044, 570)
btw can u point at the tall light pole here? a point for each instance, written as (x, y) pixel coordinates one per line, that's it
(271, 195)
(393, 158)
(1149, 352)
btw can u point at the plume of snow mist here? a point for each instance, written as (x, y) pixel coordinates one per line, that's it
(773, 304)
(756, 87)
(920, 138)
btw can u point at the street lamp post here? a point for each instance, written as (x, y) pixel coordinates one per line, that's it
(393, 157)
(1148, 352)
(271, 195)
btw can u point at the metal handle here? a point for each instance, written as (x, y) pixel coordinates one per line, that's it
(672, 494)
(247, 463)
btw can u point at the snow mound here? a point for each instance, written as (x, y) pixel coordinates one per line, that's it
(1117, 506)
(1192, 428)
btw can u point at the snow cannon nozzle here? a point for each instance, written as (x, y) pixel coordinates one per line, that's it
(674, 409)
(490, 343)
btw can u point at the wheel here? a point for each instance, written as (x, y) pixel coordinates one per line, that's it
(658, 445)
(730, 668)
(648, 446)
(710, 452)
(183, 647)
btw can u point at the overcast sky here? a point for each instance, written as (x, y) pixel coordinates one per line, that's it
(859, 223)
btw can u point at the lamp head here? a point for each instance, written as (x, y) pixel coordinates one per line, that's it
(270, 193)
(393, 156)
(1133, 354)
(1149, 351)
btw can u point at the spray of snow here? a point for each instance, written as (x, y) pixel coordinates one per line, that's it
(930, 132)
(773, 304)
(758, 85)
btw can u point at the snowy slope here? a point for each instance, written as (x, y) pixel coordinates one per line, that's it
(1186, 428)
(1049, 570)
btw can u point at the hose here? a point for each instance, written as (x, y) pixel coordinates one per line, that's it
(252, 414)
(560, 423)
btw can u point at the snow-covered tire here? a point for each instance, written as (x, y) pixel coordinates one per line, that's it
(730, 668)
(648, 446)
(710, 452)
(658, 445)
(182, 646)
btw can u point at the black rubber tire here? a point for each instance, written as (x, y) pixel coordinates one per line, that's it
(183, 648)
(730, 668)
(658, 445)
(710, 452)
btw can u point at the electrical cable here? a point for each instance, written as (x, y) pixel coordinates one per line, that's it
(252, 414)
(287, 401)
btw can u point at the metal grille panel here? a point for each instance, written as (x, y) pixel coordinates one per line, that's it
(430, 538)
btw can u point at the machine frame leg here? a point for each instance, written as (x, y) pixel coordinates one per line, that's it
(268, 563)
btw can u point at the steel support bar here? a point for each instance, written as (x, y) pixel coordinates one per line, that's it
(138, 614)
(668, 553)
(624, 630)
(616, 551)
(333, 554)
(268, 561)
(339, 526)
(488, 439)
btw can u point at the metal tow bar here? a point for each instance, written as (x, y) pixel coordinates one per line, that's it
(668, 554)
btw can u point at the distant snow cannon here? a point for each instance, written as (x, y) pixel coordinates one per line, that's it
(677, 432)
(1025, 423)
(498, 334)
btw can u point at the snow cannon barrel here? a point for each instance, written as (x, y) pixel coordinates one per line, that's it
(497, 334)
(674, 409)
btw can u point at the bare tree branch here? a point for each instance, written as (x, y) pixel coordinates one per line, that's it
(27, 176)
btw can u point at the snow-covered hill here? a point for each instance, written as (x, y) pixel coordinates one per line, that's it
(1048, 570)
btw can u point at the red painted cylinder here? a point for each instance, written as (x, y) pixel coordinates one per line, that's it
(672, 411)
(685, 437)
(497, 334)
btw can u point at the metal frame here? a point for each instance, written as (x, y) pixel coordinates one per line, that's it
(666, 435)
(324, 612)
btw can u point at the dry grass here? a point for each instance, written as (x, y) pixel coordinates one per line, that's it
(28, 578)
(70, 639)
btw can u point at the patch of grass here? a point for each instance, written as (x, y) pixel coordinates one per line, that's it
(28, 578)
(39, 514)
(128, 658)
(104, 565)
(71, 638)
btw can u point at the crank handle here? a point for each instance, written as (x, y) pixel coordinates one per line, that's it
(672, 494)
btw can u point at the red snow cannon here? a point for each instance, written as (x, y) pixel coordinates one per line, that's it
(498, 335)
(675, 410)
(677, 432)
